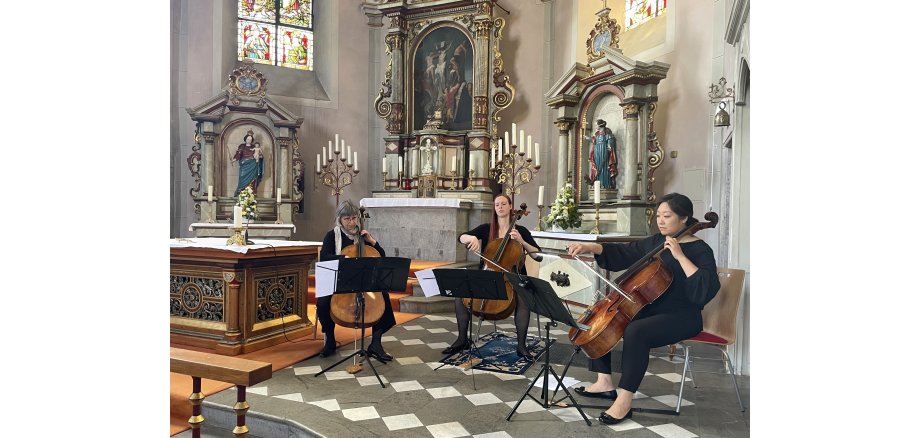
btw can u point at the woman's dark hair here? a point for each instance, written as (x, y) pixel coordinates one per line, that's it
(680, 205)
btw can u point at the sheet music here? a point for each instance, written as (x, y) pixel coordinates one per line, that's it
(428, 283)
(566, 381)
(325, 277)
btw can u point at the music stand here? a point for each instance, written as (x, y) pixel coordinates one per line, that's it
(464, 283)
(368, 274)
(542, 300)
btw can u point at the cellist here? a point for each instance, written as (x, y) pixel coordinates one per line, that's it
(496, 229)
(343, 235)
(676, 315)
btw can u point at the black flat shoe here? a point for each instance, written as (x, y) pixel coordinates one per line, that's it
(606, 395)
(455, 348)
(328, 348)
(608, 419)
(525, 354)
(380, 355)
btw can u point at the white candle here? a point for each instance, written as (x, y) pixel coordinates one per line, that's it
(540, 196)
(356, 161)
(348, 153)
(324, 156)
(210, 193)
(537, 147)
(317, 161)
(521, 139)
(343, 145)
(500, 150)
(330, 150)
(237, 216)
(506, 138)
(400, 166)
(597, 191)
(529, 148)
(279, 195)
(336, 143)
(492, 158)
(453, 164)
(513, 134)
(383, 164)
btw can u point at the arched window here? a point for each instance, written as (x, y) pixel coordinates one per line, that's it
(276, 32)
(640, 11)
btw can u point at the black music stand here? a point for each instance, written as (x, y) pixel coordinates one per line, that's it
(368, 274)
(465, 283)
(542, 300)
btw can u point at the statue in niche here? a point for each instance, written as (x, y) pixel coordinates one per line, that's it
(249, 154)
(602, 156)
(428, 149)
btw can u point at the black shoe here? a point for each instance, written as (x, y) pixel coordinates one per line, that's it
(521, 352)
(328, 347)
(608, 419)
(456, 347)
(377, 353)
(606, 395)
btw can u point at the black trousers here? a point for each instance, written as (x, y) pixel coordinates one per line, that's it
(324, 306)
(644, 333)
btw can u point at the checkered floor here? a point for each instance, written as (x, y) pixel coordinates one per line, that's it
(420, 400)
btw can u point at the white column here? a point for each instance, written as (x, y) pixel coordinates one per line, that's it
(631, 112)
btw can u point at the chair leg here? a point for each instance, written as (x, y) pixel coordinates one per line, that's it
(731, 371)
(683, 377)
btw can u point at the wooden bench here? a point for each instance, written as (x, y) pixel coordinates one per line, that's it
(240, 372)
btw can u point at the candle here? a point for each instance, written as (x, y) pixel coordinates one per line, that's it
(383, 164)
(324, 156)
(343, 145)
(506, 138)
(597, 191)
(356, 161)
(500, 149)
(492, 158)
(336, 143)
(279, 195)
(540, 196)
(453, 164)
(537, 147)
(237, 216)
(513, 134)
(521, 139)
(400, 166)
(317, 161)
(348, 153)
(529, 148)
(210, 193)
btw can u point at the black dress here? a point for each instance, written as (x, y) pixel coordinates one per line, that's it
(674, 316)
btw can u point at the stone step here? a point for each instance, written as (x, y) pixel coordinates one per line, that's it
(426, 305)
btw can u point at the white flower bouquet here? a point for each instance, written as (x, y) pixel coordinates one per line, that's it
(247, 202)
(563, 212)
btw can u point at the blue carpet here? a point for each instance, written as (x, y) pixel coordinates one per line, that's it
(498, 351)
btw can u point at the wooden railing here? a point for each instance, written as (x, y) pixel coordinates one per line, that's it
(240, 372)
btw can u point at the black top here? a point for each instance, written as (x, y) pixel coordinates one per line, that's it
(685, 292)
(482, 233)
(328, 250)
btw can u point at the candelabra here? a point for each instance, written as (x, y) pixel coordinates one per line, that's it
(237, 237)
(469, 185)
(453, 180)
(597, 219)
(514, 171)
(337, 174)
(385, 180)
(539, 217)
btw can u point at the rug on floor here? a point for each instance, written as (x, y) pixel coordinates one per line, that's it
(498, 351)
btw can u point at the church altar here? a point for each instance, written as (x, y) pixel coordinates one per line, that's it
(238, 299)
(258, 231)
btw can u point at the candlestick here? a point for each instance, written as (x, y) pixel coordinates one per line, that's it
(237, 237)
(513, 170)
(337, 173)
(385, 179)
(597, 219)
(469, 185)
(540, 213)
(453, 180)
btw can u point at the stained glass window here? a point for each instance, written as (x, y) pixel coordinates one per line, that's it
(640, 11)
(276, 32)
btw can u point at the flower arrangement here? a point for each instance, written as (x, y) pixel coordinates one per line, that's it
(563, 212)
(247, 202)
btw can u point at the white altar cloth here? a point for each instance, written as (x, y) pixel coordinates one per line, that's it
(410, 202)
(574, 236)
(221, 243)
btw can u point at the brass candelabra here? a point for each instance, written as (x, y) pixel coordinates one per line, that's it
(453, 180)
(337, 174)
(513, 171)
(469, 185)
(237, 237)
(539, 217)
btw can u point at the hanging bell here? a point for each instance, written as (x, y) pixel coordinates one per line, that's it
(722, 117)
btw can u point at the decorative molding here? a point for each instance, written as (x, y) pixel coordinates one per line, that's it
(480, 112)
(656, 153)
(606, 32)
(500, 98)
(247, 81)
(736, 21)
(630, 110)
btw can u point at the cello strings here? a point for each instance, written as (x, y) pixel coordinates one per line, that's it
(615, 287)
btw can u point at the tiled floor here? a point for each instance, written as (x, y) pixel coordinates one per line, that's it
(449, 402)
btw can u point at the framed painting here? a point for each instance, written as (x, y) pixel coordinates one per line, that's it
(443, 80)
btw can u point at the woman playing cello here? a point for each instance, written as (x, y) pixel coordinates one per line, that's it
(342, 236)
(499, 226)
(673, 317)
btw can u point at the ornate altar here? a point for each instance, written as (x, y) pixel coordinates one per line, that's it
(243, 138)
(444, 88)
(605, 112)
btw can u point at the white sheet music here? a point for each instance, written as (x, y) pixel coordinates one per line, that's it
(566, 381)
(428, 283)
(325, 277)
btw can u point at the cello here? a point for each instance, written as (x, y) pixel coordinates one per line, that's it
(500, 255)
(641, 284)
(344, 309)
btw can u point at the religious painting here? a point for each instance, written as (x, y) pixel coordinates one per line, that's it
(443, 81)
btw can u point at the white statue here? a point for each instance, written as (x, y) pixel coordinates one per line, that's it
(428, 149)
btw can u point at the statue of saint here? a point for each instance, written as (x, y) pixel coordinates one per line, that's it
(603, 156)
(249, 155)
